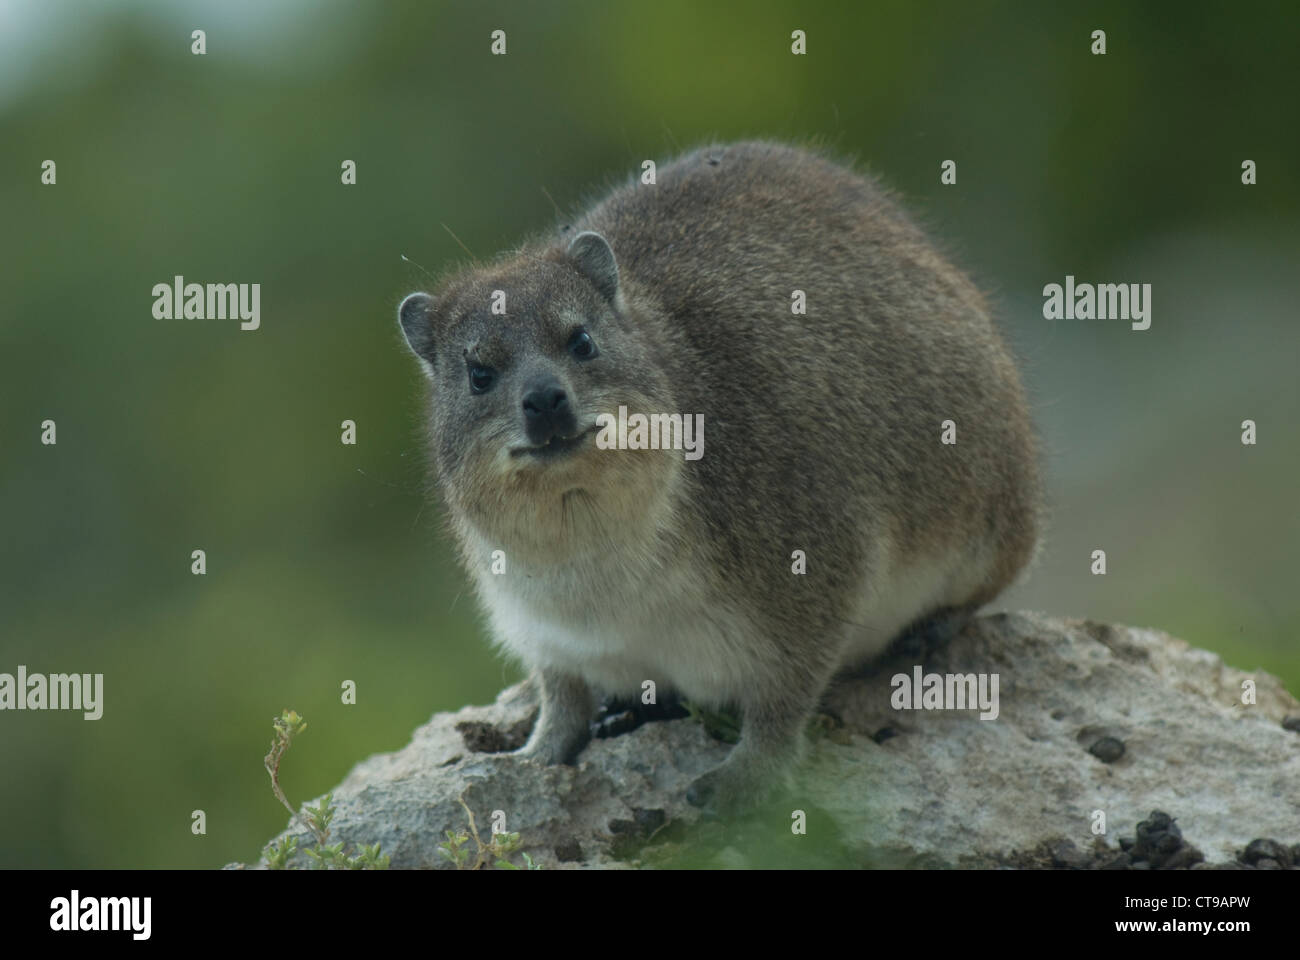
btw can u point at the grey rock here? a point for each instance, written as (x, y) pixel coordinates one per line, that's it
(944, 789)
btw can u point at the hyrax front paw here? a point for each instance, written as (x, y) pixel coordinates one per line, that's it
(563, 724)
(553, 746)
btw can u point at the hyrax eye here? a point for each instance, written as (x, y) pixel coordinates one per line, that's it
(481, 378)
(581, 345)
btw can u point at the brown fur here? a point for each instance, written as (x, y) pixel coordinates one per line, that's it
(822, 435)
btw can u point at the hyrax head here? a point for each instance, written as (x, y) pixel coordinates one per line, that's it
(523, 357)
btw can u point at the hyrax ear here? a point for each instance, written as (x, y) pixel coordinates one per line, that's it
(416, 317)
(595, 260)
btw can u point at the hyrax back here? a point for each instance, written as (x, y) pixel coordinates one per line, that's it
(824, 446)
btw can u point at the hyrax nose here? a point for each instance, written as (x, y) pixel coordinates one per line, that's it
(546, 411)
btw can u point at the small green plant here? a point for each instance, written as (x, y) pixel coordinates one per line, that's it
(317, 819)
(454, 849)
(279, 853)
(495, 851)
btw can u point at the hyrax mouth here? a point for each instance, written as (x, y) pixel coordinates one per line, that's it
(557, 446)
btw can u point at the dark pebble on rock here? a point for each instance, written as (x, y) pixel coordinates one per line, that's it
(1160, 845)
(1107, 749)
(568, 851)
(1265, 849)
(484, 737)
(883, 734)
(1291, 723)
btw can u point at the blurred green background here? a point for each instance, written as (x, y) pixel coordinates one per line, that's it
(325, 562)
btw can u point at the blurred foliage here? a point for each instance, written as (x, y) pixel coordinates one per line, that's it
(326, 563)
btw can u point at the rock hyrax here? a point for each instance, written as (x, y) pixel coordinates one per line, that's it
(834, 357)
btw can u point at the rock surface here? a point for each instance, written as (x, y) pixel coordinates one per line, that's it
(1092, 717)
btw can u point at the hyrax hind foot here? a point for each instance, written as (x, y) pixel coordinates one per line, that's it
(933, 632)
(742, 782)
(758, 769)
